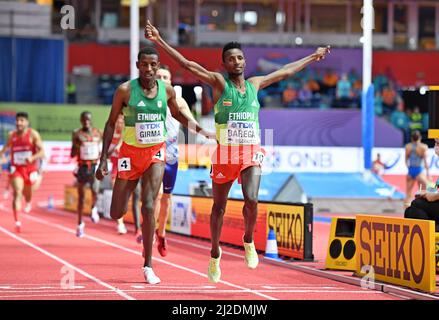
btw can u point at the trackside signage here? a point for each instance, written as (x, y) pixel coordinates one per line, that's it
(292, 224)
(400, 251)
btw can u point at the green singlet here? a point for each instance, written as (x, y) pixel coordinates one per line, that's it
(237, 116)
(145, 117)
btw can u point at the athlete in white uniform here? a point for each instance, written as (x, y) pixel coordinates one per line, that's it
(163, 201)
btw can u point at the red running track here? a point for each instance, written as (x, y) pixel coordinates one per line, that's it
(47, 261)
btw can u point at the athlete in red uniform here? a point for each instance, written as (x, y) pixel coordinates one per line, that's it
(25, 147)
(86, 144)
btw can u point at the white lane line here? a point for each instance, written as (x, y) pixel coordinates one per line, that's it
(297, 287)
(10, 289)
(56, 258)
(114, 245)
(199, 291)
(200, 246)
(27, 296)
(175, 287)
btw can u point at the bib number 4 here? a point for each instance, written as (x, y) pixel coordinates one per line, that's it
(160, 155)
(124, 164)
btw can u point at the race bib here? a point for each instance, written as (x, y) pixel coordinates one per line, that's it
(258, 157)
(124, 164)
(242, 132)
(160, 155)
(33, 177)
(89, 151)
(150, 132)
(21, 156)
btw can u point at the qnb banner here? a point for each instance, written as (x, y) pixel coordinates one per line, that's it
(396, 250)
(345, 160)
(312, 159)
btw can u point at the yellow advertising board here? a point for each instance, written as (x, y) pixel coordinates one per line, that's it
(341, 253)
(398, 250)
(288, 223)
(71, 199)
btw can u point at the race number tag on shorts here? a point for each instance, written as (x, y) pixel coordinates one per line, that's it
(89, 151)
(20, 157)
(124, 164)
(242, 132)
(160, 155)
(258, 157)
(149, 132)
(33, 177)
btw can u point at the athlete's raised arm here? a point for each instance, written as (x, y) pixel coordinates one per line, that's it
(181, 115)
(214, 79)
(121, 97)
(289, 69)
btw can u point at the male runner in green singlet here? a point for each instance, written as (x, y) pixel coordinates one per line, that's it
(143, 102)
(239, 154)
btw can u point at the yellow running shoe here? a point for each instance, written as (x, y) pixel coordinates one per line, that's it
(251, 256)
(214, 270)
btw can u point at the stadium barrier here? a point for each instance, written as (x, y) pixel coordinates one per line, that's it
(341, 253)
(396, 250)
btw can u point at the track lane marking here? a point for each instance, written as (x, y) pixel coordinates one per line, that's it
(65, 263)
(114, 245)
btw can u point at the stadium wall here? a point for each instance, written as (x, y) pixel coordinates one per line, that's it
(114, 59)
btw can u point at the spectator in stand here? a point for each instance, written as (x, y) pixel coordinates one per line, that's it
(318, 76)
(353, 76)
(313, 85)
(71, 91)
(357, 89)
(416, 120)
(390, 100)
(400, 120)
(305, 96)
(379, 82)
(378, 103)
(330, 80)
(343, 93)
(289, 96)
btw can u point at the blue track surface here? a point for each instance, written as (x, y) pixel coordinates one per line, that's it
(346, 185)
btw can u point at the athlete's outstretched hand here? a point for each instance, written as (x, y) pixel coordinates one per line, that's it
(321, 52)
(151, 32)
(102, 170)
(210, 135)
